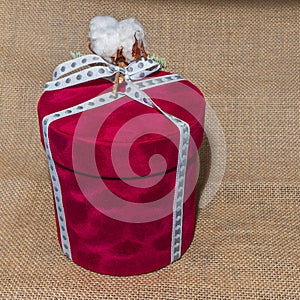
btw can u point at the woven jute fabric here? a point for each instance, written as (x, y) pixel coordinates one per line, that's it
(244, 56)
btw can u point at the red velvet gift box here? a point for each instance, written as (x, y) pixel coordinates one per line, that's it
(123, 166)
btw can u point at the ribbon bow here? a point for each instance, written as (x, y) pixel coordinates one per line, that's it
(136, 70)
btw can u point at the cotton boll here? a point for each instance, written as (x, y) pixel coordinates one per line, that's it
(104, 36)
(127, 29)
(107, 35)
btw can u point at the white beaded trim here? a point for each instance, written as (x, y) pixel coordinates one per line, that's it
(134, 91)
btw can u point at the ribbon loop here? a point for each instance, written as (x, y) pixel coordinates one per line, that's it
(77, 63)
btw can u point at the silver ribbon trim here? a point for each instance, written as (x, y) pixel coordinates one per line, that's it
(134, 71)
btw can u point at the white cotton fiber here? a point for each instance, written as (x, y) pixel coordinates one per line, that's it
(127, 29)
(107, 35)
(104, 36)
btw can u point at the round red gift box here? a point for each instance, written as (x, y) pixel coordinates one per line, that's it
(107, 150)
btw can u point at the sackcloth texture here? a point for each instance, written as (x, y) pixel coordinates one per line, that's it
(244, 56)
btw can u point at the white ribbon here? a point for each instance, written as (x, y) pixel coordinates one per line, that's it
(134, 71)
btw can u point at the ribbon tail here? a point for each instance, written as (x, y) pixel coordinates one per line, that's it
(184, 133)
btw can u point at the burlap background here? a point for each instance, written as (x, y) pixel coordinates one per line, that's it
(244, 56)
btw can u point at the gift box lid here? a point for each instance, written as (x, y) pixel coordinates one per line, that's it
(120, 138)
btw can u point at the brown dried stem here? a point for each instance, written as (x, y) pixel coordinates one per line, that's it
(119, 60)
